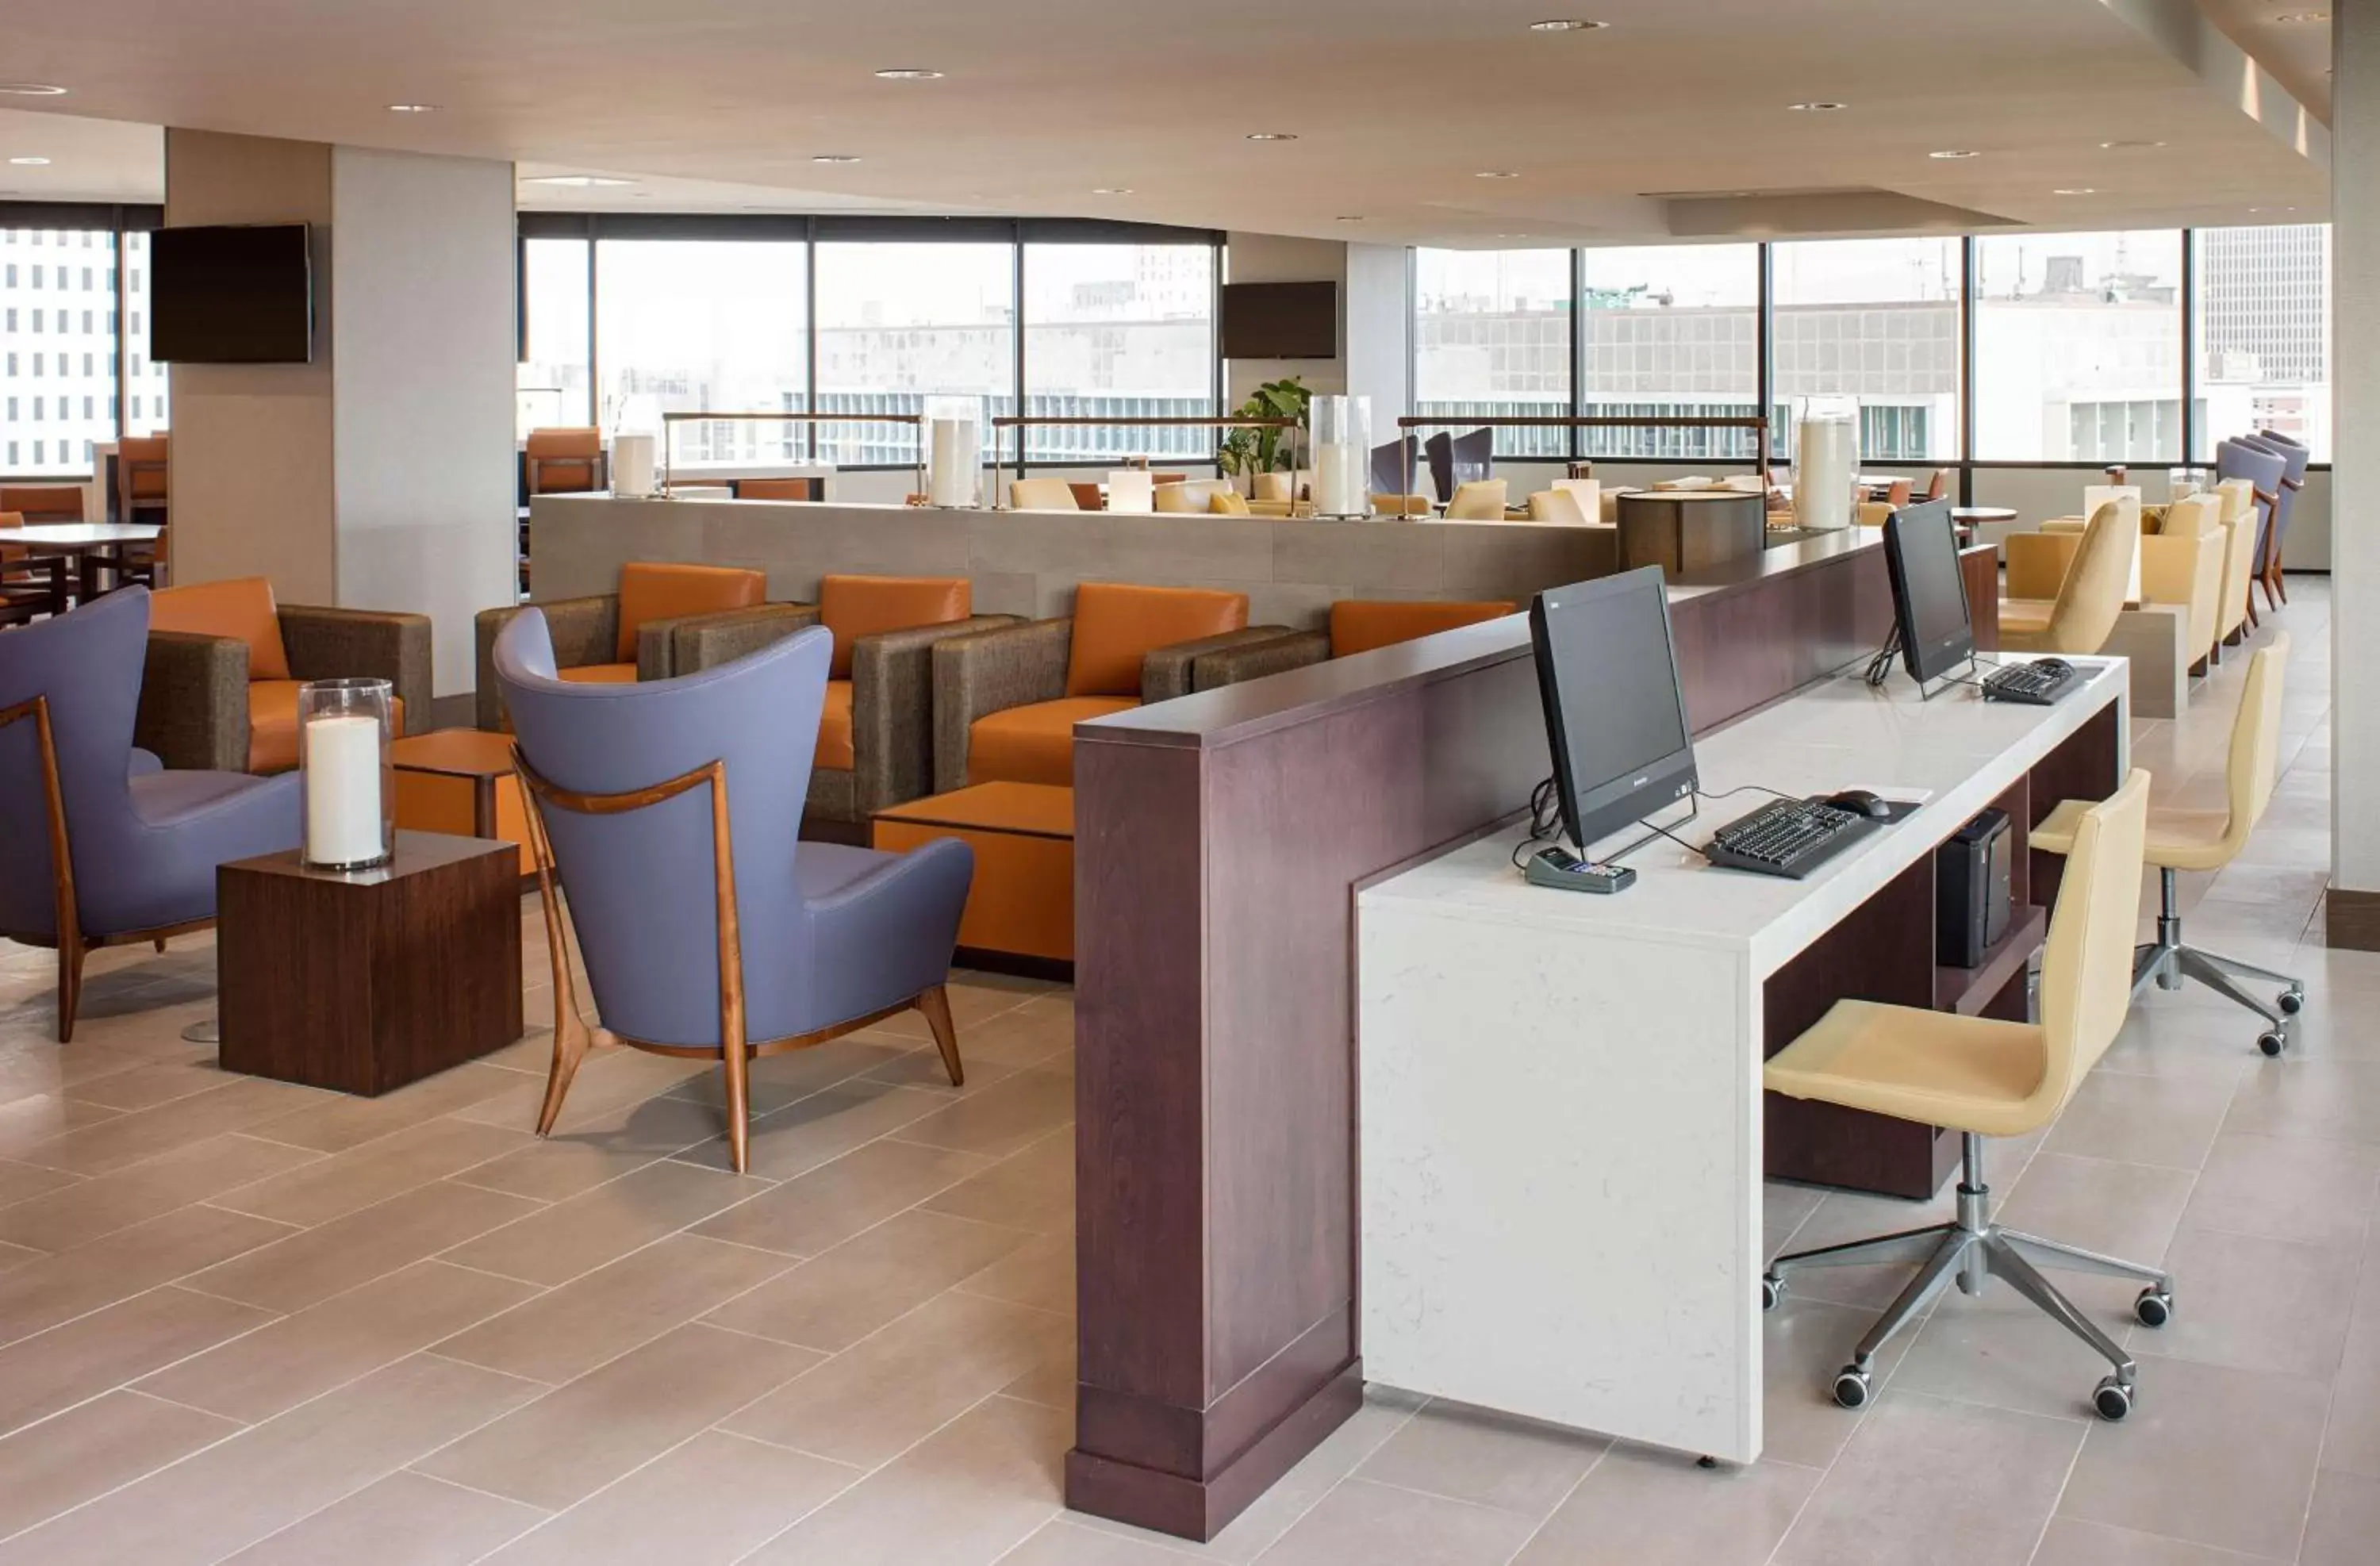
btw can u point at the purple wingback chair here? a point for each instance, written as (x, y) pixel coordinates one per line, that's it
(141, 844)
(707, 927)
(2294, 459)
(2265, 467)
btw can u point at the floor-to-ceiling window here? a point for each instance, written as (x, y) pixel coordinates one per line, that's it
(2262, 323)
(1492, 337)
(705, 326)
(555, 379)
(1877, 319)
(145, 409)
(58, 361)
(899, 320)
(2078, 347)
(1669, 331)
(1118, 329)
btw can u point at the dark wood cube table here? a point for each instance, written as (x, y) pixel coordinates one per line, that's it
(365, 981)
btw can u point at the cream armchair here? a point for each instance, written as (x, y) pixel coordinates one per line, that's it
(2181, 563)
(2239, 500)
(2071, 610)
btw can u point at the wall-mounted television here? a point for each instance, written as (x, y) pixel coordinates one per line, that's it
(233, 294)
(1280, 320)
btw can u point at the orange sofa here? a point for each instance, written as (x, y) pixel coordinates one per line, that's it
(1356, 626)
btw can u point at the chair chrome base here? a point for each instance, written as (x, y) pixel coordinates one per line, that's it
(1973, 1250)
(2167, 962)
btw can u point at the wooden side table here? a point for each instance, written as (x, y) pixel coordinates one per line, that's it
(363, 982)
(1022, 904)
(461, 781)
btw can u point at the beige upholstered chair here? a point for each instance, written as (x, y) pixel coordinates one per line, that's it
(2238, 498)
(1556, 505)
(1401, 506)
(1983, 1077)
(1189, 496)
(1041, 494)
(1479, 500)
(2182, 562)
(2080, 608)
(2208, 840)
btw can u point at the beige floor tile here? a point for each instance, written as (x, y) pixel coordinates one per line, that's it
(2166, 1121)
(818, 1210)
(2209, 1455)
(779, 1080)
(404, 1520)
(600, 1226)
(1067, 1543)
(91, 1449)
(2323, 1193)
(328, 1344)
(1039, 1273)
(873, 1400)
(266, 1478)
(347, 1122)
(2352, 1445)
(1987, 1506)
(1804, 1343)
(40, 1121)
(620, 1141)
(964, 1497)
(2069, 1543)
(22, 1181)
(2122, 1209)
(148, 1085)
(833, 1300)
(101, 1207)
(2255, 1303)
(2325, 1100)
(606, 1082)
(38, 1066)
(570, 1331)
(1361, 1521)
(1643, 1508)
(707, 1503)
(2343, 1529)
(1784, 1208)
(1004, 1118)
(93, 1353)
(1485, 1459)
(821, 1128)
(238, 1104)
(922, 1068)
(311, 1266)
(42, 1293)
(975, 999)
(368, 1174)
(1845, 1215)
(1032, 1189)
(579, 1438)
(2000, 1351)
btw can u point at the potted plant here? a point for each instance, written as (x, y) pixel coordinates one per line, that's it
(1243, 454)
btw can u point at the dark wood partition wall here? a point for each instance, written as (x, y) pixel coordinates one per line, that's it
(1218, 843)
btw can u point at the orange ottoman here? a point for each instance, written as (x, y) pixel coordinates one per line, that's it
(1023, 834)
(461, 781)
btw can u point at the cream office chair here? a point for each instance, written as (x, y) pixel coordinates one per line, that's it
(2089, 595)
(2208, 840)
(1479, 500)
(2181, 563)
(1983, 1078)
(1041, 494)
(1556, 505)
(2238, 499)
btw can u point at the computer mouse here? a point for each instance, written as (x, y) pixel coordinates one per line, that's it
(2053, 665)
(1859, 802)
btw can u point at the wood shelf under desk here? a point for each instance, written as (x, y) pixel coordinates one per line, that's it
(1971, 993)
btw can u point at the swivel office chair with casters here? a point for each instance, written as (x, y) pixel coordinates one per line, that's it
(1983, 1078)
(2209, 839)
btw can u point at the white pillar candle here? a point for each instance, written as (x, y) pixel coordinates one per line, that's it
(632, 466)
(1335, 483)
(1825, 468)
(1132, 488)
(952, 457)
(343, 810)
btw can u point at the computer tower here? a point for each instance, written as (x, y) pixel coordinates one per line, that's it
(1972, 888)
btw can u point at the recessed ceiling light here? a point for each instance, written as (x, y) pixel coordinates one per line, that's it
(1352, 217)
(1950, 154)
(1496, 174)
(2272, 208)
(576, 181)
(1112, 190)
(2303, 16)
(32, 90)
(1566, 24)
(2075, 191)
(1272, 136)
(2128, 146)
(834, 157)
(413, 108)
(1819, 107)
(30, 163)
(908, 73)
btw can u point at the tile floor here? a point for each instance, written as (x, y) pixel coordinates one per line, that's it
(246, 1321)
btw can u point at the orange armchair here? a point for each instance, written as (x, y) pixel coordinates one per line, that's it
(1356, 626)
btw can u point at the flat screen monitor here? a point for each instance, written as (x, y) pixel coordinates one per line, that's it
(1279, 320)
(1929, 591)
(234, 295)
(1615, 709)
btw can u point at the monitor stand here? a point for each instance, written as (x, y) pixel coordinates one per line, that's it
(1928, 689)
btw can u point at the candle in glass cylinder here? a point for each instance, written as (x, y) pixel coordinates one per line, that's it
(343, 814)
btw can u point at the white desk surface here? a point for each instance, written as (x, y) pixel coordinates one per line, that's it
(81, 535)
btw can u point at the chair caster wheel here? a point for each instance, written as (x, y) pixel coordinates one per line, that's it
(2272, 1043)
(2112, 1400)
(2154, 1308)
(1852, 1388)
(1772, 1292)
(2290, 1000)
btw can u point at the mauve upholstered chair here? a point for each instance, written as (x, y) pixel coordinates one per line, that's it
(2294, 459)
(2265, 467)
(671, 810)
(101, 847)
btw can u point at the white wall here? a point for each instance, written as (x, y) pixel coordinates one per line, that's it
(2355, 315)
(423, 391)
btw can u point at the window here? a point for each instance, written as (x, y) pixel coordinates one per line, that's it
(76, 407)
(1492, 337)
(1876, 319)
(2263, 304)
(148, 377)
(900, 319)
(1669, 331)
(553, 383)
(2078, 347)
(701, 325)
(1119, 330)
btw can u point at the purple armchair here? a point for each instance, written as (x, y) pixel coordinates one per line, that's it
(2294, 459)
(103, 848)
(670, 808)
(2265, 467)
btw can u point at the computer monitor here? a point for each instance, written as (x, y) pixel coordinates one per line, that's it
(1615, 710)
(1929, 591)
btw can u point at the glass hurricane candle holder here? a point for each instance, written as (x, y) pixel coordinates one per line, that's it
(345, 779)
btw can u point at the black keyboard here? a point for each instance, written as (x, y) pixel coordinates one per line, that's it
(1786, 837)
(2031, 685)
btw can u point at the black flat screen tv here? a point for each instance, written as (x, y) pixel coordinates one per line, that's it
(241, 294)
(1280, 320)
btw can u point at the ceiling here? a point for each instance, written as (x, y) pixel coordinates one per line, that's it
(1673, 121)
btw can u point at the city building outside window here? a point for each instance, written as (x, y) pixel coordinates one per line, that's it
(553, 383)
(898, 321)
(2078, 347)
(77, 407)
(1669, 331)
(1876, 319)
(1119, 330)
(1492, 337)
(2263, 330)
(704, 325)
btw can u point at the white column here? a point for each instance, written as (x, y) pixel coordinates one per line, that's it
(2355, 485)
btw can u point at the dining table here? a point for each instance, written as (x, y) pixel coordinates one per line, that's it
(87, 543)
